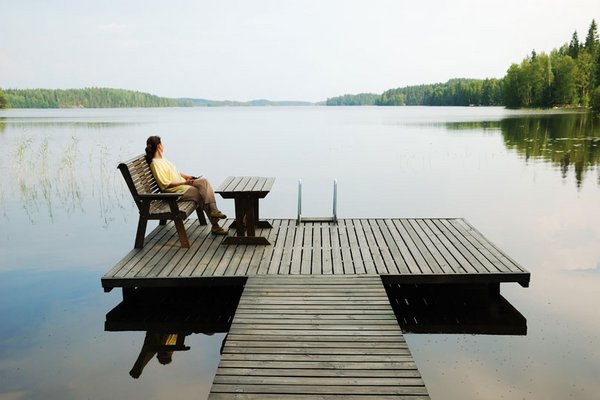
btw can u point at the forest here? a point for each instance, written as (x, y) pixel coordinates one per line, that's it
(85, 98)
(567, 77)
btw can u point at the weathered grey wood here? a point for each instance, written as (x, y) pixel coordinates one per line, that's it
(510, 264)
(365, 250)
(344, 365)
(357, 259)
(422, 244)
(246, 192)
(399, 344)
(297, 249)
(297, 351)
(317, 250)
(129, 262)
(408, 250)
(270, 262)
(405, 255)
(390, 373)
(290, 242)
(432, 244)
(492, 263)
(320, 389)
(468, 263)
(382, 256)
(421, 264)
(347, 260)
(194, 264)
(316, 381)
(279, 396)
(304, 396)
(336, 252)
(303, 251)
(399, 266)
(263, 252)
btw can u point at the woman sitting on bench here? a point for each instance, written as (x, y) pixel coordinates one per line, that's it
(172, 181)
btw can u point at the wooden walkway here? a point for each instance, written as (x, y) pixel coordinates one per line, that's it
(316, 337)
(400, 250)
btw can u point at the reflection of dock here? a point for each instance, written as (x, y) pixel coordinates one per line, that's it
(197, 310)
(400, 250)
(468, 309)
(314, 319)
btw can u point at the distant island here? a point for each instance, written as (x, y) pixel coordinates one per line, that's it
(568, 77)
(114, 98)
(251, 103)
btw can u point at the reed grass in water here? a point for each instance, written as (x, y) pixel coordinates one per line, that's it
(46, 184)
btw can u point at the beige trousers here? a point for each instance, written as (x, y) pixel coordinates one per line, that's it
(203, 194)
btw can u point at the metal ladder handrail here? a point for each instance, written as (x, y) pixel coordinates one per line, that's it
(300, 218)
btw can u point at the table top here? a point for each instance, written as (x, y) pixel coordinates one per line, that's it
(245, 185)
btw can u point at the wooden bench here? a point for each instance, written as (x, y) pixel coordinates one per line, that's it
(246, 191)
(153, 204)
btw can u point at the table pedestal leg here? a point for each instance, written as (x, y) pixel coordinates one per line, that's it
(240, 211)
(246, 216)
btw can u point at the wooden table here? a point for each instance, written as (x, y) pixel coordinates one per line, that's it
(246, 191)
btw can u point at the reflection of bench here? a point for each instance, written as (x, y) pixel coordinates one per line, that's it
(153, 204)
(246, 191)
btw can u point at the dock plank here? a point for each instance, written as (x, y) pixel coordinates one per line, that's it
(335, 352)
(423, 250)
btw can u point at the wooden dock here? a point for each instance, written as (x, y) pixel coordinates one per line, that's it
(434, 250)
(314, 320)
(316, 337)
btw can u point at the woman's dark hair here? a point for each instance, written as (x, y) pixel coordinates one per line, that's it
(151, 146)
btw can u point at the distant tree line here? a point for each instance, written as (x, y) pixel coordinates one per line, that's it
(86, 98)
(3, 100)
(569, 76)
(455, 92)
(251, 103)
(362, 99)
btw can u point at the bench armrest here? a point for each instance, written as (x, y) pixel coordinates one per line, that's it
(160, 196)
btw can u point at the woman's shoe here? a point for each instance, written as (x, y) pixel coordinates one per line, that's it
(217, 230)
(217, 214)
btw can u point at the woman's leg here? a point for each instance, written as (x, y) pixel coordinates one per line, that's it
(203, 194)
(206, 193)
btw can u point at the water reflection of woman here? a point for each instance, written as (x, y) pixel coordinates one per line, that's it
(171, 180)
(154, 343)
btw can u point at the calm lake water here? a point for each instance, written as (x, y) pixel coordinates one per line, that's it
(529, 181)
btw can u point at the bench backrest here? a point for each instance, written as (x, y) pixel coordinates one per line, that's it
(139, 177)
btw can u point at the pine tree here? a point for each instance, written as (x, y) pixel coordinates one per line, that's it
(574, 46)
(591, 40)
(592, 45)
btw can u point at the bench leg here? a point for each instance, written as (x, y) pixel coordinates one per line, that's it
(162, 222)
(141, 233)
(176, 216)
(181, 232)
(201, 217)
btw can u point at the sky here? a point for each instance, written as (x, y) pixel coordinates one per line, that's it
(274, 49)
